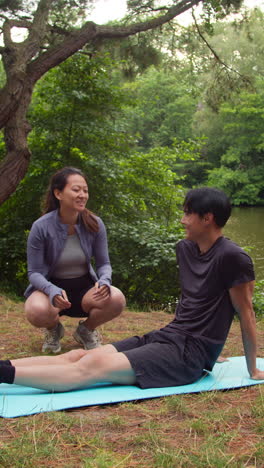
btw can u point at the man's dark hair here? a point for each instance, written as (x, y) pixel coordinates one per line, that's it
(208, 200)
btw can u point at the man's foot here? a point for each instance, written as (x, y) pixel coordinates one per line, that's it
(52, 339)
(89, 339)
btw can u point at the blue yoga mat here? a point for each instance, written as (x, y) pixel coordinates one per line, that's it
(16, 400)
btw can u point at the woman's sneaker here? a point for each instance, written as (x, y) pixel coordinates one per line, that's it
(90, 339)
(52, 339)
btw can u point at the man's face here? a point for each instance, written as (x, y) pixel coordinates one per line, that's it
(195, 225)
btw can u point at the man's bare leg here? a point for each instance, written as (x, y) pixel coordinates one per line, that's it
(65, 358)
(94, 367)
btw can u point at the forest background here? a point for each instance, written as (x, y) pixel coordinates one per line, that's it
(146, 118)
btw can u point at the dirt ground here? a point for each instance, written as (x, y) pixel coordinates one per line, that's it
(168, 432)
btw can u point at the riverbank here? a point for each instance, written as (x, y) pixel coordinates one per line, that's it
(197, 430)
(246, 227)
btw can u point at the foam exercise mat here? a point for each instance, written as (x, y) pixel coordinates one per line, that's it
(16, 400)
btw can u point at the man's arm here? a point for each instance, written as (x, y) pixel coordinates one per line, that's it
(241, 297)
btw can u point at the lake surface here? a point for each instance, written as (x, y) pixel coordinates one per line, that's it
(246, 228)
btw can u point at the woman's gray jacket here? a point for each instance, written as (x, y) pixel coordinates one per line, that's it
(46, 241)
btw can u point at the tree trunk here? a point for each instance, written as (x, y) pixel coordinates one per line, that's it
(14, 166)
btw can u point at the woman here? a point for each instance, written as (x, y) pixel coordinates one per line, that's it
(61, 245)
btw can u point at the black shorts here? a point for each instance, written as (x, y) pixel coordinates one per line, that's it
(75, 288)
(163, 359)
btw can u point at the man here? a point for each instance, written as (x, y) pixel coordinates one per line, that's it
(216, 279)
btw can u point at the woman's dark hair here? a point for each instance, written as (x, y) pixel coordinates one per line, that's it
(58, 181)
(208, 200)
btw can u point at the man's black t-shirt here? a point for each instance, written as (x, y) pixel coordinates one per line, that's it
(205, 311)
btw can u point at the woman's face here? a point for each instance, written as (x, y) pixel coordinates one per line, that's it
(75, 194)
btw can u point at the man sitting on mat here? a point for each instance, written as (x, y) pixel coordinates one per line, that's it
(217, 279)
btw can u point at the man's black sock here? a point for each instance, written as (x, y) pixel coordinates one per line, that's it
(6, 362)
(7, 372)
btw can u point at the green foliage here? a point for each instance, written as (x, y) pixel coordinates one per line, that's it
(232, 63)
(144, 227)
(81, 93)
(230, 112)
(73, 116)
(2, 75)
(147, 184)
(135, 54)
(241, 173)
(258, 298)
(10, 5)
(136, 141)
(143, 255)
(76, 115)
(210, 7)
(17, 215)
(162, 110)
(191, 165)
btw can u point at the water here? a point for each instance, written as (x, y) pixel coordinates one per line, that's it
(246, 228)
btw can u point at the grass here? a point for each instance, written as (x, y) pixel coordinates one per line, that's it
(212, 429)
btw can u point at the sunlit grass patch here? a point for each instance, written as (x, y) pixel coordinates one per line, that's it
(106, 459)
(177, 404)
(115, 421)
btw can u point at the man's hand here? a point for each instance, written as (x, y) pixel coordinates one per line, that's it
(241, 297)
(257, 375)
(221, 359)
(61, 301)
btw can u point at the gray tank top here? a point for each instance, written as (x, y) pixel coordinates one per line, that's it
(72, 262)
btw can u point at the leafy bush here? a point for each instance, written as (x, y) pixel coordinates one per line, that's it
(144, 261)
(258, 298)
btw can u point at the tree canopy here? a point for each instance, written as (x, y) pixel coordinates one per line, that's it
(133, 128)
(135, 193)
(57, 29)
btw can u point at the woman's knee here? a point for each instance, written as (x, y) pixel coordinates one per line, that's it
(38, 312)
(117, 300)
(41, 319)
(114, 304)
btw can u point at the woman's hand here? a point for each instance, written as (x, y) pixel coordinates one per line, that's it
(62, 301)
(100, 293)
